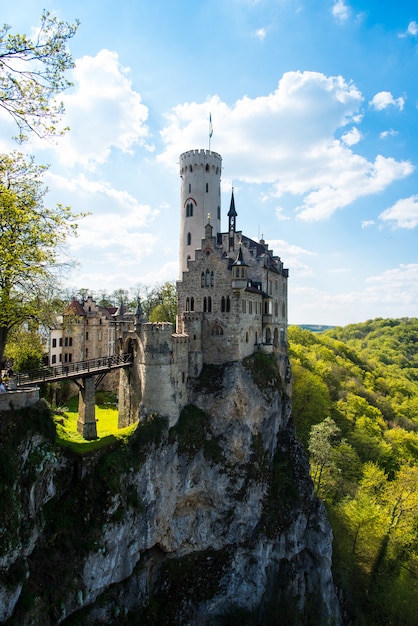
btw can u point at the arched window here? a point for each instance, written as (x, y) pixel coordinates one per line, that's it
(192, 304)
(207, 167)
(205, 304)
(207, 281)
(190, 168)
(207, 187)
(191, 209)
(223, 306)
(190, 187)
(246, 337)
(228, 304)
(202, 279)
(212, 279)
(217, 330)
(283, 310)
(189, 239)
(282, 336)
(268, 335)
(209, 305)
(187, 304)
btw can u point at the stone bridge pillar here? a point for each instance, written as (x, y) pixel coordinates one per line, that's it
(86, 423)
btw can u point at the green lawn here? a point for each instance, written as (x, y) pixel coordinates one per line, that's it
(107, 426)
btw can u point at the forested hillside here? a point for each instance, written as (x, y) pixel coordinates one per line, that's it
(355, 404)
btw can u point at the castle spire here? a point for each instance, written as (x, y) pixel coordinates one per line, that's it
(232, 214)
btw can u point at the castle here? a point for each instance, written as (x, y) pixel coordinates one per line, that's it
(232, 301)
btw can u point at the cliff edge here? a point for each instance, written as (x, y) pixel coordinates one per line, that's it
(212, 521)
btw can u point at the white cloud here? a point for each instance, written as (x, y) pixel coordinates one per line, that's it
(384, 99)
(287, 140)
(412, 28)
(404, 213)
(388, 133)
(341, 11)
(260, 33)
(352, 137)
(103, 112)
(280, 215)
(367, 223)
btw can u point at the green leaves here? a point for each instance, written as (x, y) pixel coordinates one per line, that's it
(32, 74)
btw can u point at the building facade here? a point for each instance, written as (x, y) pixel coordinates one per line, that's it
(232, 301)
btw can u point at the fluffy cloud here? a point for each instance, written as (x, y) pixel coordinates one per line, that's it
(103, 112)
(404, 213)
(384, 99)
(340, 11)
(287, 140)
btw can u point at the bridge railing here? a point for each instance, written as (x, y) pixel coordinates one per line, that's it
(71, 370)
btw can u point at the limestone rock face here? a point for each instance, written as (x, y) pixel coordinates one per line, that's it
(213, 518)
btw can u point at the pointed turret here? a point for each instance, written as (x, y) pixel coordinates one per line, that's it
(239, 271)
(232, 214)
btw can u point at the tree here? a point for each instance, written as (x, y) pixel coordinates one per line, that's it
(32, 74)
(163, 303)
(322, 439)
(24, 349)
(31, 238)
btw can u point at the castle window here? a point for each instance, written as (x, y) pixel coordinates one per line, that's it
(183, 377)
(223, 304)
(70, 357)
(212, 279)
(250, 307)
(276, 308)
(60, 358)
(207, 167)
(192, 304)
(228, 304)
(100, 321)
(190, 168)
(282, 336)
(87, 336)
(219, 212)
(189, 239)
(202, 279)
(60, 342)
(244, 306)
(54, 343)
(209, 305)
(205, 304)
(207, 280)
(207, 187)
(54, 359)
(187, 304)
(246, 337)
(217, 330)
(190, 187)
(283, 310)
(242, 272)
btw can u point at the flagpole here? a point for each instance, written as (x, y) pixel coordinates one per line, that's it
(210, 129)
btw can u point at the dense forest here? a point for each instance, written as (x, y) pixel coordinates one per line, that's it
(355, 404)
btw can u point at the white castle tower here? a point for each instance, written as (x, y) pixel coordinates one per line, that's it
(200, 173)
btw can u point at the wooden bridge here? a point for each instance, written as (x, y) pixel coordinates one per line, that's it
(87, 375)
(81, 369)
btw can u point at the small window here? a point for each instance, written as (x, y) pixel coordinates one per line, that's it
(219, 212)
(60, 342)
(223, 304)
(189, 239)
(70, 341)
(54, 343)
(87, 336)
(212, 279)
(192, 304)
(187, 304)
(207, 167)
(209, 305)
(190, 168)
(202, 279)
(228, 304)
(70, 357)
(207, 187)
(54, 359)
(190, 187)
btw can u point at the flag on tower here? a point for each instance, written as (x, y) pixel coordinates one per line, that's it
(210, 126)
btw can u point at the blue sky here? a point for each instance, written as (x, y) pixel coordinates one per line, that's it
(315, 113)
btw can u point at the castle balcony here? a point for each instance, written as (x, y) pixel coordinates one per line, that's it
(267, 319)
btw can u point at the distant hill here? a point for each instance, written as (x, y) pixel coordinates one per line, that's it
(314, 328)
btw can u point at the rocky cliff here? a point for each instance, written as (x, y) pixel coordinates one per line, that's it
(213, 521)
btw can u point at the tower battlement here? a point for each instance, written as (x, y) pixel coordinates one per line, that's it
(194, 156)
